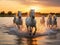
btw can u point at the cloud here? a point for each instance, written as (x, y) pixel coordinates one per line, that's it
(49, 2)
(53, 3)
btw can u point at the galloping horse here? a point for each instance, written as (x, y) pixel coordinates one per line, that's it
(54, 21)
(49, 21)
(31, 22)
(18, 21)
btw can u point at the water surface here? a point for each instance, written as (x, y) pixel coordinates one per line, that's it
(12, 39)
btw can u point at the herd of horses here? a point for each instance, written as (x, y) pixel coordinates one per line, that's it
(31, 22)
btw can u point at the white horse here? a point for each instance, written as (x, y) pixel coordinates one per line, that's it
(31, 22)
(54, 21)
(18, 21)
(49, 21)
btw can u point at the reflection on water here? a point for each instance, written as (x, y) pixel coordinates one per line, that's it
(44, 40)
(27, 41)
(6, 39)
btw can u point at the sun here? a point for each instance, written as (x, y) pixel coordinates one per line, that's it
(36, 8)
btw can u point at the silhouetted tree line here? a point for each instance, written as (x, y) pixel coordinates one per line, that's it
(37, 14)
(45, 14)
(8, 14)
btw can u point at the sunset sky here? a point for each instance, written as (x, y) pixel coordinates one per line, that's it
(26, 5)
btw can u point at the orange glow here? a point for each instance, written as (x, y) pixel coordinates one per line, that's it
(15, 5)
(36, 8)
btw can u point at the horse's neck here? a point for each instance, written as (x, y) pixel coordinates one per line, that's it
(19, 18)
(32, 19)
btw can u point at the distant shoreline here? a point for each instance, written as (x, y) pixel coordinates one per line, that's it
(25, 14)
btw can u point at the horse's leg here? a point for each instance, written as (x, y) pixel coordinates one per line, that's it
(51, 26)
(35, 31)
(56, 24)
(18, 28)
(30, 30)
(48, 26)
(27, 28)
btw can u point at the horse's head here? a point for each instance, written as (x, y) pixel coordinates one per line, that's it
(19, 14)
(54, 16)
(42, 17)
(32, 14)
(49, 16)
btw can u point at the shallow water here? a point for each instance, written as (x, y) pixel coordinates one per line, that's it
(12, 39)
